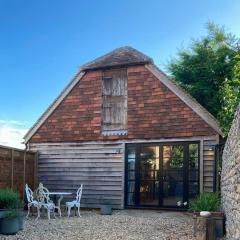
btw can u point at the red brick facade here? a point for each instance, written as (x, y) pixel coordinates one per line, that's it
(153, 112)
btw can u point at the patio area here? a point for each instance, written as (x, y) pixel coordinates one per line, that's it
(124, 224)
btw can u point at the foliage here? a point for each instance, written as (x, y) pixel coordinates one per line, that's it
(230, 94)
(9, 199)
(176, 156)
(202, 68)
(193, 155)
(206, 202)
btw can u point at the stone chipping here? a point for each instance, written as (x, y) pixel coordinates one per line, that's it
(123, 224)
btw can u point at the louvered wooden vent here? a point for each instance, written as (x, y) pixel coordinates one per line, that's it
(114, 93)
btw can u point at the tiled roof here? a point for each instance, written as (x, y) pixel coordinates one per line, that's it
(123, 56)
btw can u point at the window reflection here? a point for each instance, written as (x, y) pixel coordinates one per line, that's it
(149, 157)
(131, 159)
(193, 156)
(173, 156)
(131, 153)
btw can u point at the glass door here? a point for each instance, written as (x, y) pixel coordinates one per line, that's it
(173, 166)
(162, 174)
(149, 175)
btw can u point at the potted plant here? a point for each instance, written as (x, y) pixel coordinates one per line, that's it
(10, 211)
(207, 211)
(10, 222)
(106, 208)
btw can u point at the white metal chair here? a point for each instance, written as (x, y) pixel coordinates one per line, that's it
(31, 201)
(43, 195)
(75, 203)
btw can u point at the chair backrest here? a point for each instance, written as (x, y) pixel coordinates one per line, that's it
(43, 194)
(29, 193)
(79, 193)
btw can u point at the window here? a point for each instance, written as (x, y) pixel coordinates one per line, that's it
(114, 106)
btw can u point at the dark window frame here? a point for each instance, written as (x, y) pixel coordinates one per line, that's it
(185, 180)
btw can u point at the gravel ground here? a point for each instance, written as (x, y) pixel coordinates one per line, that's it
(124, 224)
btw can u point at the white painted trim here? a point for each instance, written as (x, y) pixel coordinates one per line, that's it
(53, 106)
(185, 97)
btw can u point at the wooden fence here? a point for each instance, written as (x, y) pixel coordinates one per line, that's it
(17, 167)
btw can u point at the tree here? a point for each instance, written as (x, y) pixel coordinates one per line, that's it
(203, 68)
(230, 95)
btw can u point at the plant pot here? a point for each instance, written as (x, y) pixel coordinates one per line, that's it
(106, 210)
(216, 220)
(21, 222)
(200, 227)
(9, 226)
(219, 219)
(3, 212)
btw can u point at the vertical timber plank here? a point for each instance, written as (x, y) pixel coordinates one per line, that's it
(12, 160)
(123, 174)
(35, 169)
(24, 171)
(201, 166)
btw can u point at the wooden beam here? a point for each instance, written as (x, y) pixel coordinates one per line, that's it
(24, 171)
(201, 166)
(35, 170)
(12, 164)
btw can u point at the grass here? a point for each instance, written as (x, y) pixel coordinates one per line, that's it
(210, 202)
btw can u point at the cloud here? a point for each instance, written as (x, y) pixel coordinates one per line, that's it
(12, 132)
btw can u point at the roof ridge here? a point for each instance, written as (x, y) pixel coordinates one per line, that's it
(82, 67)
(117, 58)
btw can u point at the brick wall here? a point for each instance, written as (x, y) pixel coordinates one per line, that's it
(153, 112)
(230, 181)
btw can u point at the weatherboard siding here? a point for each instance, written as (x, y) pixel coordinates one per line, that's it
(98, 166)
(209, 164)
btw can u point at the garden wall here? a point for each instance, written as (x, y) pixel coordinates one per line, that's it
(230, 183)
(17, 167)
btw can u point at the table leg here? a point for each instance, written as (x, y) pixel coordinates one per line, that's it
(59, 201)
(55, 199)
(59, 204)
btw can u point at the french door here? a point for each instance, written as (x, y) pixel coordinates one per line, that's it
(161, 174)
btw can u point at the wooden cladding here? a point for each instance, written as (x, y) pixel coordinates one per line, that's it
(98, 166)
(114, 94)
(209, 165)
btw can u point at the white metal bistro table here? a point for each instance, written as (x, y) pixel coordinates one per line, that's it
(60, 194)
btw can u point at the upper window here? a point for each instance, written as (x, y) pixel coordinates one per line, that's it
(114, 105)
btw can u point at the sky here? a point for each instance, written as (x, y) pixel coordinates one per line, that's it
(43, 43)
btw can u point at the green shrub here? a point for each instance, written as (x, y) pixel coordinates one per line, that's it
(9, 199)
(206, 202)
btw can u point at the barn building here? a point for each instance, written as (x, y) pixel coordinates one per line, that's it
(129, 133)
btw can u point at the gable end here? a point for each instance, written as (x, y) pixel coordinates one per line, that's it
(53, 106)
(185, 97)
